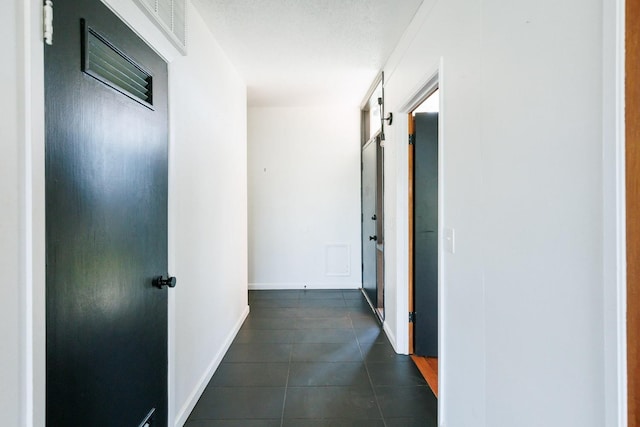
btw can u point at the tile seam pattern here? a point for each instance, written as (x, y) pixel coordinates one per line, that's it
(319, 355)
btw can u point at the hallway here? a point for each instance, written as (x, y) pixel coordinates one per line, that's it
(314, 358)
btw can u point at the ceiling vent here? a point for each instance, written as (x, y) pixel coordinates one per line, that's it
(171, 17)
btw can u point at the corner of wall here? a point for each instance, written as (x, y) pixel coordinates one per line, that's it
(392, 339)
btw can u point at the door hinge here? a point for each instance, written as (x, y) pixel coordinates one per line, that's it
(48, 22)
(412, 140)
(412, 317)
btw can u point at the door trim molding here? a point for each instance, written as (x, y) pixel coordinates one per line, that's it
(614, 221)
(425, 90)
(32, 203)
(31, 182)
(434, 78)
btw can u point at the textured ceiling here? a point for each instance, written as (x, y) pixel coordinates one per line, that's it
(303, 52)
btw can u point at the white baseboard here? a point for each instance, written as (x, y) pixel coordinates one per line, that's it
(392, 338)
(186, 409)
(302, 285)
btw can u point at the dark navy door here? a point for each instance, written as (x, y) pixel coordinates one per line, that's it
(369, 220)
(426, 234)
(106, 222)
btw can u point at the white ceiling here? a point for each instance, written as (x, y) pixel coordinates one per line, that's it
(303, 52)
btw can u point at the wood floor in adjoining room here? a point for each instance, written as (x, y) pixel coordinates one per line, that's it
(428, 367)
(314, 358)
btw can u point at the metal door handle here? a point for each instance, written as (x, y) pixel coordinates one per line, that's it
(160, 281)
(373, 238)
(374, 217)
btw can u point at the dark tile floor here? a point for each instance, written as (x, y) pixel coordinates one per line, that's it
(314, 358)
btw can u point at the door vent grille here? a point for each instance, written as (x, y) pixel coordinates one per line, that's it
(108, 64)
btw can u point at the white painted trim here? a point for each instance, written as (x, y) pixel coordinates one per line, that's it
(614, 215)
(371, 90)
(412, 100)
(432, 80)
(621, 231)
(26, 325)
(171, 254)
(392, 338)
(401, 260)
(426, 87)
(302, 285)
(32, 302)
(442, 289)
(186, 409)
(171, 356)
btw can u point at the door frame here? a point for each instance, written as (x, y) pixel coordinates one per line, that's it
(433, 82)
(614, 205)
(31, 181)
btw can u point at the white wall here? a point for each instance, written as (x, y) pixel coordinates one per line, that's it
(522, 138)
(10, 218)
(522, 175)
(208, 213)
(304, 194)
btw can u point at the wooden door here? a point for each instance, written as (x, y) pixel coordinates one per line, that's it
(106, 222)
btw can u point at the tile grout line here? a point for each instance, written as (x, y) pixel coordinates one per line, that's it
(286, 385)
(293, 320)
(300, 314)
(366, 367)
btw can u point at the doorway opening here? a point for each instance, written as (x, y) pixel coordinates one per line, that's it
(424, 234)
